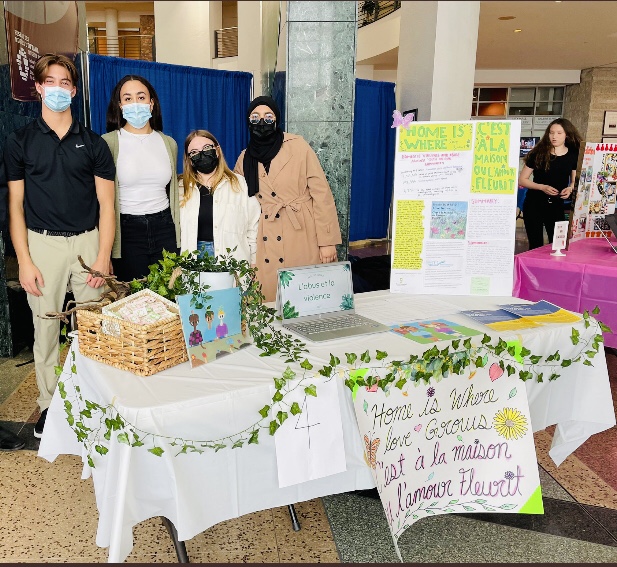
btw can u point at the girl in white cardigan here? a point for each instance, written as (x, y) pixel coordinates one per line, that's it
(216, 212)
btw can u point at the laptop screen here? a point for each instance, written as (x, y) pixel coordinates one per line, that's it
(314, 290)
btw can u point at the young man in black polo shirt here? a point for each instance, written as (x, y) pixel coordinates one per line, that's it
(61, 205)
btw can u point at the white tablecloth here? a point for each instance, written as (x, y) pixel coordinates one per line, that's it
(198, 491)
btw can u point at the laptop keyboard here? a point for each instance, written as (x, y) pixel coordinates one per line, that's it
(332, 324)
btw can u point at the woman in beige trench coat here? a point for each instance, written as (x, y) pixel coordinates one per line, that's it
(299, 223)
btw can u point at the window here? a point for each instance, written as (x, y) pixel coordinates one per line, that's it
(524, 103)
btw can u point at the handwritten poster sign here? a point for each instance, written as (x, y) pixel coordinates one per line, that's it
(455, 207)
(463, 444)
(596, 193)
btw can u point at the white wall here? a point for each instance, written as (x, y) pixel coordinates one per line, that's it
(183, 35)
(379, 37)
(489, 77)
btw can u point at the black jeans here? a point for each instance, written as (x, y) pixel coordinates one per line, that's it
(143, 239)
(539, 214)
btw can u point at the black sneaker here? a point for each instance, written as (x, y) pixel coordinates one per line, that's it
(40, 424)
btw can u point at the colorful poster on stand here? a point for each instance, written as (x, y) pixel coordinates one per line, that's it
(454, 222)
(596, 193)
(463, 445)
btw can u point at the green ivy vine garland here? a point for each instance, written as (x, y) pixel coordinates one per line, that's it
(359, 370)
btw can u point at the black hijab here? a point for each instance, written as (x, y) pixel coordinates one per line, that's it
(261, 150)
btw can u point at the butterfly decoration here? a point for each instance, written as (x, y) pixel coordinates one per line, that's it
(370, 454)
(400, 120)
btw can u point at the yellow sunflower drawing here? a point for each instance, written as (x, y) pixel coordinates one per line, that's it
(510, 423)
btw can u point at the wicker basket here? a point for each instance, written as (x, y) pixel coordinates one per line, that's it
(141, 349)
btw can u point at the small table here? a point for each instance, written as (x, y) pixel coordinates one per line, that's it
(197, 491)
(585, 277)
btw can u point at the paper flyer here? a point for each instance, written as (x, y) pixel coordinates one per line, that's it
(454, 221)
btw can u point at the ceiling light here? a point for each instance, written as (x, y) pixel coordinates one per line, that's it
(506, 18)
(517, 30)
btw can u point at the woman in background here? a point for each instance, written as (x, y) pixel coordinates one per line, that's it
(147, 194)
(299, 223)
(553, 162)
(216, 212)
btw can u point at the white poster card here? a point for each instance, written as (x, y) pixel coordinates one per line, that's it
(309, 445)
(455, 189)
(458, 445)
(595, 196)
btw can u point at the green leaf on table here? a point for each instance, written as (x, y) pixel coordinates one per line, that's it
(534, 359)
(238, 443)
(381, 355)
(604, 328)
(295, 409)
(264, 411)
(254, 438)
(289, 374)
(58, 370)
(334, 360)
(282, 416)
(595, 310)
(279, 383)
(326, 371)
(306, 364)
(90, 462)
(351, 357)
(586, 314)
(101, 449)
(587, 362)
(123, 438)
(566, 362)
(574, 337)
(365, 356)
(311, 390)
(277, 396)
(273, 427)
(158, 451)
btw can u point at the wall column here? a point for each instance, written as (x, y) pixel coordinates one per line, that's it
(111, 32)
(182, 31)
(437, 58)
(320, 88)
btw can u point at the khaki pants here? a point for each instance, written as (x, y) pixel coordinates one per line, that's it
(56, 258)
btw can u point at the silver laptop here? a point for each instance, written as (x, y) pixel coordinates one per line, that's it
(317, 303)
(612, 223)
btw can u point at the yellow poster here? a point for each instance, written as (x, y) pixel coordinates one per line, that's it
(491, 171)
(429, 137)
(409, 235)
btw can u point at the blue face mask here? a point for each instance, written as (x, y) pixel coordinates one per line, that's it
(57, 99)
(136, 114)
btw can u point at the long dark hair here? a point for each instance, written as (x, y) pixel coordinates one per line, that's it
(542, 151)
(114, 119)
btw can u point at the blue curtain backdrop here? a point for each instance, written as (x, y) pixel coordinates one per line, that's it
(372, 166)
(191, 98)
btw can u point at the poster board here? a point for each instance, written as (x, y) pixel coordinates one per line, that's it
(463, 444)
(596, 193)
(454, 222)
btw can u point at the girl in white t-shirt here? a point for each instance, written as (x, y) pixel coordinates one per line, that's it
(147, 203)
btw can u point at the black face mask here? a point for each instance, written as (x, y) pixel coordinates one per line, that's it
(205, 162)
(261, 130)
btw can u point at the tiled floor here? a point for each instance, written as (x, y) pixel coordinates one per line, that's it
(48, 514)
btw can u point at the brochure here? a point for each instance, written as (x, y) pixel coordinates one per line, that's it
(432, 331)
(541, 312)
(500, 319)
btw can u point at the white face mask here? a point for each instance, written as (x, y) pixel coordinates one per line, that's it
(57, 99)
(136, 114)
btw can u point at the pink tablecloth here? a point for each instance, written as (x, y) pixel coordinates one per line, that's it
(584, 278)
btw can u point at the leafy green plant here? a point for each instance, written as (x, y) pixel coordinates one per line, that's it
(347, 302)
(289, 311)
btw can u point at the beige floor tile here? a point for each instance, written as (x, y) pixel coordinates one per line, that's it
(576, 477)
(21, 404)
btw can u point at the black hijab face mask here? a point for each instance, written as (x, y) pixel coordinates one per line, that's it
(262, 131)
(205, 162)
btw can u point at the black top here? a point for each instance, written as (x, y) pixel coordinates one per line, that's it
(558, 175)
(4, 201)
(59, 188)
(205, 222)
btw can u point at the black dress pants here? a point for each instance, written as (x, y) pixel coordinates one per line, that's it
(539, 213)
(143, 239)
